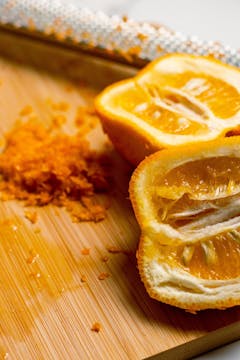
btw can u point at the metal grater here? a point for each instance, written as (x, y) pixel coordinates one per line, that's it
(114, 37)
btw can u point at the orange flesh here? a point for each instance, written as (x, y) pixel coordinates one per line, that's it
(161, 119)
(205, 176)
(214, 89)
(226, 264)
(210, 91)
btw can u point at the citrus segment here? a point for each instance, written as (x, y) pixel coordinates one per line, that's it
(209, 259)
(187, 203)
(175, 100)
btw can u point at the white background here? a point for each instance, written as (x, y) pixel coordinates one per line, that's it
(209, 20)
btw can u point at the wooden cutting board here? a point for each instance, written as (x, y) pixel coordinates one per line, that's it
(46, 311)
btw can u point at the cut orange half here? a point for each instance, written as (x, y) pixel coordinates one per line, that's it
(177, 99)
(187, 203)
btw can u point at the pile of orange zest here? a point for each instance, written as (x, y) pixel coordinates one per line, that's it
(45, 166)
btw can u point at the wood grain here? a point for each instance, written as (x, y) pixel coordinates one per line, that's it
(46, 309)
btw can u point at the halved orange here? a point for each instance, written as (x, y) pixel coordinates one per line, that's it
(187, 203)
(177, 99)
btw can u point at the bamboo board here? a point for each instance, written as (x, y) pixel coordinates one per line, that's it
(50, 316)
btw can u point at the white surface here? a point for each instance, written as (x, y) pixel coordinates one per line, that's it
(231, 352)
(207, 19)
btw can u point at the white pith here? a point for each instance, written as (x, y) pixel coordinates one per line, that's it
(222, 219)
(171, 283)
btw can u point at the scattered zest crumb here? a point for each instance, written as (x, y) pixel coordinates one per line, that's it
(105, 258)
(83, 279)
(60, 106)
(31, 216)
(115, 250)
(103, 276)
(85, 118)
(35, 275)
(57, 106)
(26, 110)
(32, 257)
(96, 327)
(85, 251)
(56, 212)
